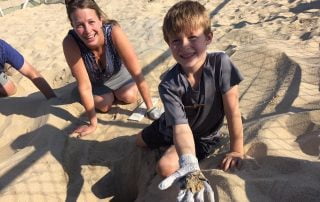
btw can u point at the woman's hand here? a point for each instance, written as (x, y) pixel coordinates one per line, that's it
(231, 160)
(153, 113)
(84, 130)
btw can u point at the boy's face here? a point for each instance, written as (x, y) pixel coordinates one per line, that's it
(189, 49)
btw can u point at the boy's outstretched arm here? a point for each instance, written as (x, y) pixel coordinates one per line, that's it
(32, 74)
(189, 166)
(183, 139)
(233, 115)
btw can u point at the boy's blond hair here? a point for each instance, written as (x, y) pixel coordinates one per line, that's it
(185, 16)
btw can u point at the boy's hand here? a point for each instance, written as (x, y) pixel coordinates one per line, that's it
(231, 160)
(192, 182)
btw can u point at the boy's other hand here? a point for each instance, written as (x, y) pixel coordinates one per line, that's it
(231, 160)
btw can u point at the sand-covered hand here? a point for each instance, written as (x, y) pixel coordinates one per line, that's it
(193, 184)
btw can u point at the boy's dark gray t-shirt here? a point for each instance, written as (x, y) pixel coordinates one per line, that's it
(201, 108)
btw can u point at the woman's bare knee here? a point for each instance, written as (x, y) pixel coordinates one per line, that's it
(128, 97)
(103, 108)
(103, 103)
(127, 94)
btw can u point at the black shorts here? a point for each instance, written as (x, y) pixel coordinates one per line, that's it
(152, 136)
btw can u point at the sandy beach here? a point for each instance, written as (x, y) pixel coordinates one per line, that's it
(276, 46)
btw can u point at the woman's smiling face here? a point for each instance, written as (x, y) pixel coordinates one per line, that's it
(87, 25)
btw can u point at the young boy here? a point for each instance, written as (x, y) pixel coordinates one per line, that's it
(197, 92)
(11, 56)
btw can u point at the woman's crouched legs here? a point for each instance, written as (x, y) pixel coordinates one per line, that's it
(127, 94)
(103, 102)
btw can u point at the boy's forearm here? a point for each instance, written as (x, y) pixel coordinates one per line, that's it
(236, 144)
(236, 134)
(233, 115)
(183, 139)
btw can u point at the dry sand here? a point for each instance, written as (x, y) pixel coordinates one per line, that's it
(275, 44)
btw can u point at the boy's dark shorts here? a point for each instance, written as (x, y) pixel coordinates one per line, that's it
(154, 139)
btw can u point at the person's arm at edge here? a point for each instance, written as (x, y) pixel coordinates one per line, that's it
(130, 60)
(76, 64)
(31, 73)
(235, 127)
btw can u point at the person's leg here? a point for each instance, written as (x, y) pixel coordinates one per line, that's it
(152, 138)
(128, 93)
(103, 102)
(7, 87)
(168, 163)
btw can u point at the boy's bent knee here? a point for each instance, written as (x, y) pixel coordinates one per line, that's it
(165, 167)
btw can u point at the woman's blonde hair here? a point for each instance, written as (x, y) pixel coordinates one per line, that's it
(185, 16)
